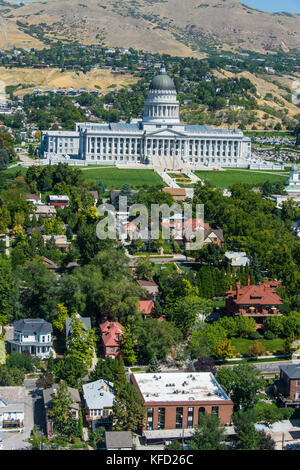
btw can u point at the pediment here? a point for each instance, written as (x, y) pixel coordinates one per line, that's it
(164, 132)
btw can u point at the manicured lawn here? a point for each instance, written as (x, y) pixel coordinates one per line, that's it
(115, 177)
(225, 179)
(242, 344)
(13, 171)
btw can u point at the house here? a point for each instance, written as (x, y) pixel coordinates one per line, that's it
(86, 323)
(34, 198)
(146, 307)
(98, 402)
(58, 200)
(50, 265)
(214, 236)
(48, 394)
(175, 401)
(44, 210)
(256, 301)
(178, 194)
(118, 440)
(60, 241)
(237, 258)
(289, 385)
(33, 336)
(111, 335)
(12, 407)
(151, 288)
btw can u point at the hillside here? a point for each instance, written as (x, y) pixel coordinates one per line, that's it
(156, 25)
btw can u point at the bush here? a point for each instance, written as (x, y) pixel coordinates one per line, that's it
(22, 361)
(257, 349)
(254, 335)
(269, 335)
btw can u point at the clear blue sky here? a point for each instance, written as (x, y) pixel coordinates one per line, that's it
(292, 6)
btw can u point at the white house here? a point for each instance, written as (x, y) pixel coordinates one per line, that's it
(12, 407)
(33, 336)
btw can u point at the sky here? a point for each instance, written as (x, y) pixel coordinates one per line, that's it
(292, 6)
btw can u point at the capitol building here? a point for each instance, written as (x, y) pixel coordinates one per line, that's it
(158, 140)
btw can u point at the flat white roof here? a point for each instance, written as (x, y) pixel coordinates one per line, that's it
(179, 386)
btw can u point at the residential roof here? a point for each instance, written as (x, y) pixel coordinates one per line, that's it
(291, 370)
(146, 306)
(86, 322)
(118, 439)
(98, 394)
(109, 331)
(35, 197)
(218, 232)
(256, 294)
(175, 191)
(179, 387)
(12, 394)
(33, 326)
(144, 283)
(49, 392)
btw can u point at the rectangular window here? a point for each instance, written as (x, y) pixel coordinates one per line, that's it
(215, 410)
(150, 418)
(161, 418)
(179, 417)
(190, 419)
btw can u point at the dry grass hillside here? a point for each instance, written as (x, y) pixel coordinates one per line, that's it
(54, 78)
(171, 26)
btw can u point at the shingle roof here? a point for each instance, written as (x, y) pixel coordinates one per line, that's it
(118, 439)
(291, 370)
(33, 326)
(86, 322)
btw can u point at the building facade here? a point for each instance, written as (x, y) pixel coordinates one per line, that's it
(255, 301)
(32, 336)
(176, 400)
(159, 139)
(289, 385)
(98, 402)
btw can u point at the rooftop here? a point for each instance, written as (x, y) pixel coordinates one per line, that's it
(33, 326)
(118, 439)
(291, 370)
(98, 394)
(179, 386)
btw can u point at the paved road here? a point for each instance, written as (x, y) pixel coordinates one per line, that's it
(268, 366)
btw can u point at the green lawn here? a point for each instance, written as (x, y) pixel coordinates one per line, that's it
(242, 344)
(115, 177)
(225, 179)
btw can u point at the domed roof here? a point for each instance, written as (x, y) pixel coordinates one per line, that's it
(162, 82)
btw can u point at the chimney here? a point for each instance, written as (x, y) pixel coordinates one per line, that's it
(238, 286)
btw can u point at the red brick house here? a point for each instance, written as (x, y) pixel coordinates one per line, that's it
(289, 385)
(111, 335)
(175, 401)
(256, 301)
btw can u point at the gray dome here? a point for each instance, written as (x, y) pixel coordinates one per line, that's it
(162, 82)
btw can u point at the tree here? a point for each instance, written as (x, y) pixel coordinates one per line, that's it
(184, 311)
(127, 346)
(60, 412)
(205, 364)
(224, 349)
(128, 409)
(11, 376)
(81, 343)
(269, 413)
(209, 435)
(205, 340)
(36, 441)
(247, 438)
(242, 383)
(145, 269)
(256, 349)
(6, 288)
(153, 365)
(60, 320)
(175, 445)
(266, 442)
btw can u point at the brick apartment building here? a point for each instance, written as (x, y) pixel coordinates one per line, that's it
(174, 401)
(289, 385)
(256, 301)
